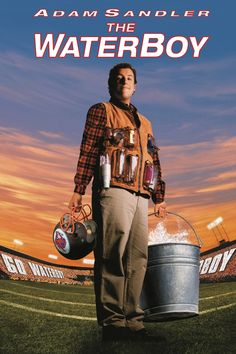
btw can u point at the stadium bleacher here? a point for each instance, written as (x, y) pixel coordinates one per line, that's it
(216, 265)
(18, 266)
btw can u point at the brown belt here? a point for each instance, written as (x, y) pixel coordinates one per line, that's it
(138, 194)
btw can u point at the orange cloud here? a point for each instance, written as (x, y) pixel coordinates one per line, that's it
(199, 157)
(36, 182)
(223, 176)
(221, 187)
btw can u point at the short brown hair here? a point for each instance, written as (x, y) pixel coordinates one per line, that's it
(113, 74)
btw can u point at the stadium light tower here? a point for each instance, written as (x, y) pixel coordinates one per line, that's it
(52, 256)
(214, 225)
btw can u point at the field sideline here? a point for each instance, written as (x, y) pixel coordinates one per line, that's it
(51, 318)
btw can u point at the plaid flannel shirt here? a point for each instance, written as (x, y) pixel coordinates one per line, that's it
(92, 142)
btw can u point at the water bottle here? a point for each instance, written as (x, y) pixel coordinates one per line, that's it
(106, 170)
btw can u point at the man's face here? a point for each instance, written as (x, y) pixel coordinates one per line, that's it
(124, 85)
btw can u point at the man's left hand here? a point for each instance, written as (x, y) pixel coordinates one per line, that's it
(160, 210)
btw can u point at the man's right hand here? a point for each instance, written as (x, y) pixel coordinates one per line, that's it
(75, 202)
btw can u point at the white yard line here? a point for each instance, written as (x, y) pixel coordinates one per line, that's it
(219, 295)
(55, 291)
(46, 299)
(217, 308)
(32, 309)
(44, 312)
(86, 304)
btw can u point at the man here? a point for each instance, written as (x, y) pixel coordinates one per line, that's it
(119, 151)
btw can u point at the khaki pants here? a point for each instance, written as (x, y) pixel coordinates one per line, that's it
(120, 256)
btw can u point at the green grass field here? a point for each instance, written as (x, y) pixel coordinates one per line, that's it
(50, 318)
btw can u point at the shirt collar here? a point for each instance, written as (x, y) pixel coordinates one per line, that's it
(127, 107)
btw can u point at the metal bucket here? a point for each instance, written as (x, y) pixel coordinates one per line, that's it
(171, 285)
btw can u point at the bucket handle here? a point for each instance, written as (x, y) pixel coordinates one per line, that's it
(200, 242)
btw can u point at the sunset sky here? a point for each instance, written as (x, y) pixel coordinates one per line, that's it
(190, 102)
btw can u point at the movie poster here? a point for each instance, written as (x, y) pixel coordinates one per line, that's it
(55, 60)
